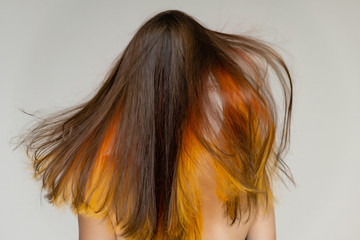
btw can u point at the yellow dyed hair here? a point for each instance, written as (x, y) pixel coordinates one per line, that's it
(181, 103)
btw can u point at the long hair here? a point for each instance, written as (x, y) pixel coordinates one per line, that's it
(178, 98)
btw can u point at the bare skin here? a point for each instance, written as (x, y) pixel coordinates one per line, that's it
(259, 227)
(93, 229)
(215, 225)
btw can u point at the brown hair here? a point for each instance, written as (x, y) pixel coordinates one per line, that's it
(134, 152)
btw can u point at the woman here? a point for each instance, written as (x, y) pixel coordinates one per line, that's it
(179, 142)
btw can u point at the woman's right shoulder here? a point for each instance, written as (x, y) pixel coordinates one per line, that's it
(263, 225)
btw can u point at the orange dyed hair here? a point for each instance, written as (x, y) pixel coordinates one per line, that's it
(134, 153)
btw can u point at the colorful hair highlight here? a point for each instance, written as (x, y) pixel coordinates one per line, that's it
(135, 152)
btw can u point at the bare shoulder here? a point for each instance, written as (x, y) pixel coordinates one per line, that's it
(94, 229)
(263, 226)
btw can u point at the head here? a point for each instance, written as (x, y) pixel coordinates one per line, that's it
(135, 150)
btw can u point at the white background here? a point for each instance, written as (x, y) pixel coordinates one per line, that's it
(53, 54)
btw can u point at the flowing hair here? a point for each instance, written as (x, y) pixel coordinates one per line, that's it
(180, 97)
